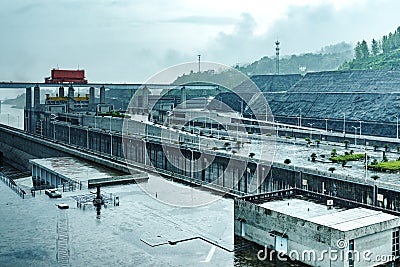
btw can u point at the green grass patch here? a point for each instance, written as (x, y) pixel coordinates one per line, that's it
(349, 157)
(392, 166)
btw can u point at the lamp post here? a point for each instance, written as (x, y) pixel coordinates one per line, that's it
(326, 125)
(344, 123)
(311, 125)
(300, 117)
(355, 134)
(54, 131)
(397, 127)
(111, 145)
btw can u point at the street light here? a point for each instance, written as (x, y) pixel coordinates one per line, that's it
(311, 125)
(344, 123)
(355, 134)
(397, 127)
(326, 125)
(300, 118)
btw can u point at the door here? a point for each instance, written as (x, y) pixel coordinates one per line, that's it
(281, 244)
(242, 229)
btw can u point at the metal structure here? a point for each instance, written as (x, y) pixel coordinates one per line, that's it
(277, 43)
(66, 76)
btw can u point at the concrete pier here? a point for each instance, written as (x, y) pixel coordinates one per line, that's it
(102, 95)
(61, 91)
(183, 97)
(91, 96)
(36, 97)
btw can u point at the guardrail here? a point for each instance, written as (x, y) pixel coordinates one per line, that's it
(10, 183)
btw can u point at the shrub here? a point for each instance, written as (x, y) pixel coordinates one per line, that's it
(391, 166)
(332, 169)
(251, 155)
(349, 157)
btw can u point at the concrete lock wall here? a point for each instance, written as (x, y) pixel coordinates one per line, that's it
(280, 176)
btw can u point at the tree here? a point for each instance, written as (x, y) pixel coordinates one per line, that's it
(386, 146)
(344, 163)
(333, 152)
(227, 144)
(346, 143)
(313, 157)
(375, 177)
(251, 155)
(375, 47)
(317, 142)
(385, 44)
(287, 161)
(364, 49)
(332, 169)
(358, 51)
(375, 147)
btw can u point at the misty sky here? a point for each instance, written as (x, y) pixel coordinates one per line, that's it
(129, 41)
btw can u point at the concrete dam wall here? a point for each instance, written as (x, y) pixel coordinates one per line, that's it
(336, 100)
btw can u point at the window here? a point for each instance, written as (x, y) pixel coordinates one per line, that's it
(351, 253)
(395, 242)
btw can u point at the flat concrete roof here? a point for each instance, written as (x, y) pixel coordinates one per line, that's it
(336, 218)
(75, 169)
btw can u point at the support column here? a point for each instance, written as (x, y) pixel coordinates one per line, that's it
(102, 95)
(27, 110)
(145, 102)
(71, 92)
(183, 97)
(36, 97)
(61, 91)
(91, 96)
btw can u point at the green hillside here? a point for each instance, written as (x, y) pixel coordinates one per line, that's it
(380, 54)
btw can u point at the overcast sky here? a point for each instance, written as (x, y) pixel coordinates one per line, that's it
(129, 41)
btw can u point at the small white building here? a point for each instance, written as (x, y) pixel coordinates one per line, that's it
(318, 230)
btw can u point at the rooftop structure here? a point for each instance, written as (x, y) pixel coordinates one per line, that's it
(55, 172)
(309, 227)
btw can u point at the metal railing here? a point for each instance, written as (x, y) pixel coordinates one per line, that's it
(11, 184)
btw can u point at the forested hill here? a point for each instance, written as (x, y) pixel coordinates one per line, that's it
(379, 54)
(328, 58)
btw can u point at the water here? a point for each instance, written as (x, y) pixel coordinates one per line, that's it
(12, 116)
(28, 232)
